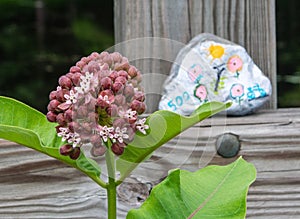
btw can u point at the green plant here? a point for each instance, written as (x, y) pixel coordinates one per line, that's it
(97, 104)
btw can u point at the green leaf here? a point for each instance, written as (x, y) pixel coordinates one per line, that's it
(209, 193)
(24, 125)
(164, 125)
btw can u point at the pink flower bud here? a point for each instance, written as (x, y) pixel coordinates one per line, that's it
(138, 77)
(140, 96)
(95, 55)
(118, 148)
(52, 106)
(89, 59)
(76, 78)
(69, 75)
(138, 106)
(51, 116)
(68, 115)
(60, 119)
(66, 149)
(121, 79)
(102, 103)
(75, 153)
(134, 83)
(73, 126)
(103, 54)
(131, 133)
(65, 82)
(74, 69)
(128, 92)
(92, 67)
(96, 140)
(98, 151)
(112, 110)
(132, 71)
(117, 87)
(60, 95)
(106, 83)
(52, 95)
(93, 117)
(122, 66)
(120, 100)
(123, 74)
(105, 67)
(86, 127)
(113, 75)
(81, 111)
(119, 122)
(80, 64)
(85, 137)
(84, 59)
(117, 57)
(125, 60)
(91, 104)
(108, 59)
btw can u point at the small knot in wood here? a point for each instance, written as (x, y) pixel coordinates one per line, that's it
(228, 145)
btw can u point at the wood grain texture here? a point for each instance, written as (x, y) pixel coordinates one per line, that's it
(248, 23)
(33, 185)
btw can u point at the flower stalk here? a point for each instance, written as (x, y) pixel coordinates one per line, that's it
(112, 199)
(111, 186)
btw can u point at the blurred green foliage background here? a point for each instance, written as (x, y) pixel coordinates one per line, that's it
(288, 53)
(41, 39)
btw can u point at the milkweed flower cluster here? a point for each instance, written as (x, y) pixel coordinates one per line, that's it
(97, 101)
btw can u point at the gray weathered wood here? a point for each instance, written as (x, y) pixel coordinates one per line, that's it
(248, 23)
(33, 185)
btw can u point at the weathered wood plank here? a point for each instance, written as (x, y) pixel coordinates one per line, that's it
(152, 20)
(248, 23)
(33, 185)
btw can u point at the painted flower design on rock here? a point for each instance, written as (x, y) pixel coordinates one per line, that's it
(235, 64)
(98, 102)
(200, 92)
(194, 73)
(237, 92)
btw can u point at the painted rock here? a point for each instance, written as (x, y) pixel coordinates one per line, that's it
(210, 68)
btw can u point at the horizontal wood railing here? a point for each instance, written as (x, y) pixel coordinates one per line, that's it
(33, 185)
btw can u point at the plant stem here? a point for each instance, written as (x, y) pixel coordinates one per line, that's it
(111, 186)
(112, 199)
(99, 181)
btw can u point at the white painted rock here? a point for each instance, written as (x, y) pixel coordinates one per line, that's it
(210, 68)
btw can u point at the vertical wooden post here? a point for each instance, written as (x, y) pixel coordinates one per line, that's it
(248, 23)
